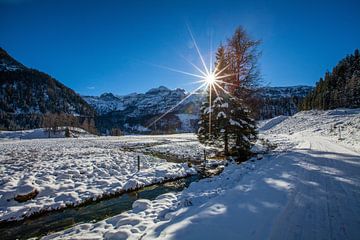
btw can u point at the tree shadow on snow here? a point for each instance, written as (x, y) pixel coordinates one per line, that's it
(303, 195)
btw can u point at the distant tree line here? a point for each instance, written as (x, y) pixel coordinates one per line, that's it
(338, 88)
(53, 122)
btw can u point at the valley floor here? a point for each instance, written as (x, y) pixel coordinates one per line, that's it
(310, 191)
(308, 188)
(65, 172)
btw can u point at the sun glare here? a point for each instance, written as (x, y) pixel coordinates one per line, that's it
(210, 79)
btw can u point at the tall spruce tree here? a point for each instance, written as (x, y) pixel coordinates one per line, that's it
(225, 119)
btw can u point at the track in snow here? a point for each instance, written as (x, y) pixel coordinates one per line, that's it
(325, 202)
(308, 192)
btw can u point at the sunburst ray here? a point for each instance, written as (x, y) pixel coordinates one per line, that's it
(209, 79)
(171, 109)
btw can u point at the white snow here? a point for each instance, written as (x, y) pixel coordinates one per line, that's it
(71, 171)
(221, 115)
(186, 121)
(224, 105)
(270, 123)
(40, 133)
(9, 67)
(320, 123)
(137, 128)
(234, 123)
(308, 188)
(186, 150)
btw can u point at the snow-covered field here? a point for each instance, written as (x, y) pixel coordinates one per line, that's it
(41, 133)
(308, 188)
(70, 171)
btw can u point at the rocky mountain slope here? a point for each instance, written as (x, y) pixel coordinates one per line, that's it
(27, 94)
(134, 112)
(276, 101)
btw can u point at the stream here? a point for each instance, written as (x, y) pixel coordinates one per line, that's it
(61, 219)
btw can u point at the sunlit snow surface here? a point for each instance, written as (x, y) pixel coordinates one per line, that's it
(307, 188)
(70, 171)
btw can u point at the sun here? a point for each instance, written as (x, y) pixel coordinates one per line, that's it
(210, 78)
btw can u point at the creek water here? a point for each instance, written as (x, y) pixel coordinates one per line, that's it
(58, 220)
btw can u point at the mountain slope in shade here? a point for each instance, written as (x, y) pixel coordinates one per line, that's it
(27, 94)
(7, 63)
(276, 101)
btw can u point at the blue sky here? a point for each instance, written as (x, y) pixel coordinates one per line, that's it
(112, 46)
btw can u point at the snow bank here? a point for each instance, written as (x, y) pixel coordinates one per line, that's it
(270, 123)
(71, 171)
(340, 125)
(146, 215)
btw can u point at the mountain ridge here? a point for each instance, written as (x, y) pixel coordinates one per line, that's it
(138, 110)
(26, 95)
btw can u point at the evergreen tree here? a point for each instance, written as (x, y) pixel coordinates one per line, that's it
(225, 119)
(241, 128)
(338, 88)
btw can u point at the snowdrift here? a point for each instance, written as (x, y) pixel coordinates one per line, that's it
(270, 123)
(340, 125)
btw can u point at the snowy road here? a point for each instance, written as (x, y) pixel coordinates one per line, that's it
(325, 200)
(310, 192)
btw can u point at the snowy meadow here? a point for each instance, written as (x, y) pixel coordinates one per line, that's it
(306, 188)
(316, 157)
(55, 173)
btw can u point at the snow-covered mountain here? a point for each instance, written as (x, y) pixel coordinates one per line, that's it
(276, 101)
(154, 101)
(133, 112)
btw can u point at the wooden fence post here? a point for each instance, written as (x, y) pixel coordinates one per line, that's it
(204, 159)
(339, 132)
(138, 163)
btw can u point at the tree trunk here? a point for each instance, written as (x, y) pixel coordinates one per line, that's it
(226, 144)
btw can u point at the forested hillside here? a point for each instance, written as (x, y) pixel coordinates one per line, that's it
(339, 88)
(31, 99)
